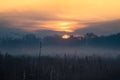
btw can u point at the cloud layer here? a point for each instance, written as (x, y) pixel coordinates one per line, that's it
(71, 16)
(45, 24)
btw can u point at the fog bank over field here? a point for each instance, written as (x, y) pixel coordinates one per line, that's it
(61, 51)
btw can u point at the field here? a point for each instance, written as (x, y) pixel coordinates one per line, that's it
(58, 68)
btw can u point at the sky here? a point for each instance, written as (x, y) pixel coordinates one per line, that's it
(72, 16)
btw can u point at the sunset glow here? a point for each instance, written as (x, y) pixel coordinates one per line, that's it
(58, 15)
(66, 36)
(65, 26)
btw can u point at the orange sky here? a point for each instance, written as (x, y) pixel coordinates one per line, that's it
(59, 15)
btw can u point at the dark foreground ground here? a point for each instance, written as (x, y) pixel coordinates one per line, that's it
(57, 68)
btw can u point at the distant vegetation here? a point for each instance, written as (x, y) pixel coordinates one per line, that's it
(58, 68)
(89, 39)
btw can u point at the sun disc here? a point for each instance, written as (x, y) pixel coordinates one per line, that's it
(65, 36)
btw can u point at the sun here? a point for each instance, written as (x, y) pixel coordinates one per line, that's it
(66, 36)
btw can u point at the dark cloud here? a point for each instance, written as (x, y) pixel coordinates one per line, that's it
(9, 30)
(42, 33)
(15, 29)
(101, 28)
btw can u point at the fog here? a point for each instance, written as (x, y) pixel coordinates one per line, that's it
(61, 51)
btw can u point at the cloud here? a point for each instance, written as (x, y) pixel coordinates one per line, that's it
(46, 23)
(32, 15)
(43, 33)
(25, 20)
(32, 21)
(20, 24)
(7, 29)
(101, 28)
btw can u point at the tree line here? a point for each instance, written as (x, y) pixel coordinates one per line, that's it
(89, 39)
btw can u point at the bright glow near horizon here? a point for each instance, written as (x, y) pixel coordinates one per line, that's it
(66, 36)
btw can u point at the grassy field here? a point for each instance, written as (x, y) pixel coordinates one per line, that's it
(58, 68)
